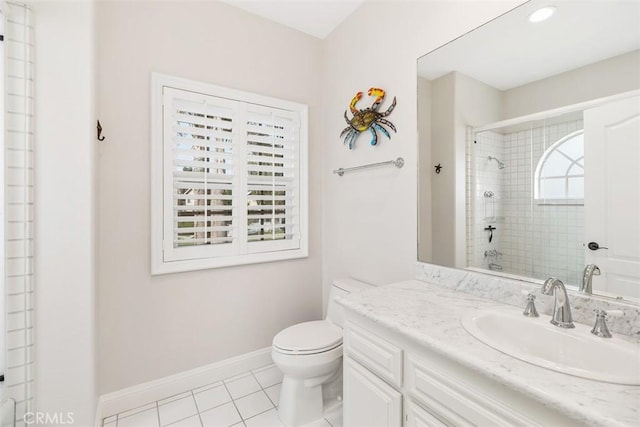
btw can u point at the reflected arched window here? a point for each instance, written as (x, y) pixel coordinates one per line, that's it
(560, 171)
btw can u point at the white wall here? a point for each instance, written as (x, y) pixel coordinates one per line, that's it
(151, 327)
(604, 78)
(475, 103)
(424, 168)
(457, 101)
(370, 217)
(64, 188)
(443, 185)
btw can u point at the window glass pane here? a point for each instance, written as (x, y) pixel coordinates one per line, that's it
(573, 147)
(268, 214)
(562, 160)
(575, 188)
(555, 165)
(576, 169)
(552, 188)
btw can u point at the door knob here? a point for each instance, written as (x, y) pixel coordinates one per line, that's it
(594, 246)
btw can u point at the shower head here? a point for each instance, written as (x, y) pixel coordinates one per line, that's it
(501, 165)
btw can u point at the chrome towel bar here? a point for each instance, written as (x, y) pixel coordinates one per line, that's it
(399, 162)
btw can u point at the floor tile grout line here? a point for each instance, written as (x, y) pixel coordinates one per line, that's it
(182, 419)
(253, 374)
(135, 413)
(244, 395)
(197, 408)
(260, 413)
(209, 387)
(213, 384)
(249, 374)
(256, 392)
(217, 406)
(262, 388)
(223, 382)
(157, 404)
(269, 397)
(233, 402)
(170, 397)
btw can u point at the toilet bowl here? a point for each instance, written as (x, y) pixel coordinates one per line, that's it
(309, 355)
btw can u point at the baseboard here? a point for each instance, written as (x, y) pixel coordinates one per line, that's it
(141, 394)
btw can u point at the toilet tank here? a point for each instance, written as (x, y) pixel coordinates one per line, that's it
(342, 287)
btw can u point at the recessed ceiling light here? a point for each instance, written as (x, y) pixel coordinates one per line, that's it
(542, 14)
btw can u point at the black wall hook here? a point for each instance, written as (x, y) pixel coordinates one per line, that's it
(99, 129)
(438, 168)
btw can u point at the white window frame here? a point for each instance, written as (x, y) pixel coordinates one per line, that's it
(272, 250)
(540, 168)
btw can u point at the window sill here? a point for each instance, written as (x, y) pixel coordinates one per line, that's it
(159, 266)
(559, 202)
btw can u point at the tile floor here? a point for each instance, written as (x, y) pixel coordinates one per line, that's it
(248, 400)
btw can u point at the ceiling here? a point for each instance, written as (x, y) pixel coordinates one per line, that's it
(315, 17)
(580, 33)
(511, 51)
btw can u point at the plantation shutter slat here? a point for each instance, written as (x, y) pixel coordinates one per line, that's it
(272, 158)
(19, 206)
(231, 177)
(200, 193)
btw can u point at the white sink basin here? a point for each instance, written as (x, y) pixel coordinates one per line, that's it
(570, 351)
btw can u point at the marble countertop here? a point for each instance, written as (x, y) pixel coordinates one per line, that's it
(430, 315)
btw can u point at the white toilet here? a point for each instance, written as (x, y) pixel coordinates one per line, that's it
(309, 354)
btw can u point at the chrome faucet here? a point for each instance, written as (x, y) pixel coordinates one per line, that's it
(561, 308)
(589, 271)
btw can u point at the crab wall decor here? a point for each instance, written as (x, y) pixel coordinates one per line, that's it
(369, 118)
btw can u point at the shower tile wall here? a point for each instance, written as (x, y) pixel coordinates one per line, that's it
(557, 234)
(535, 240)
(487, 194)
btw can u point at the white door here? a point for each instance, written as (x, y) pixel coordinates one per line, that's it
(369, 401)
(612, 195)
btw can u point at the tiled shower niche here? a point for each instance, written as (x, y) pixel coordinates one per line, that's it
(533, 238)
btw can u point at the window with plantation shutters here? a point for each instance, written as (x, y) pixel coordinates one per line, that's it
(228, 177)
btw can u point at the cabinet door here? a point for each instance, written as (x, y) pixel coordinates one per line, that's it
(369, 401)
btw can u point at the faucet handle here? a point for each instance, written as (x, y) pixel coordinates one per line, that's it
(600, 328)
(530, 309)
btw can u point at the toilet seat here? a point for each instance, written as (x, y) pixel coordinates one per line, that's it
(312, 337)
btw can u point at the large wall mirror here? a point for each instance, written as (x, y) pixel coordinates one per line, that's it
(529, 144)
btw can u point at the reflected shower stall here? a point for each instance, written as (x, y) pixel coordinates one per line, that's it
(526, 198)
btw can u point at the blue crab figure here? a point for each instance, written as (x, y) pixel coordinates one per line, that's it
(369, 118)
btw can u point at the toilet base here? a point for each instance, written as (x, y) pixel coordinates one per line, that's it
(299, 404)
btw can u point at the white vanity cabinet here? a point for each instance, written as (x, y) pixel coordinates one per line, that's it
(372, 402)
(390, 380)
(372, 379)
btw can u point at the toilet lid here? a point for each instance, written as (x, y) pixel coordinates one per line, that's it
(308, 337)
